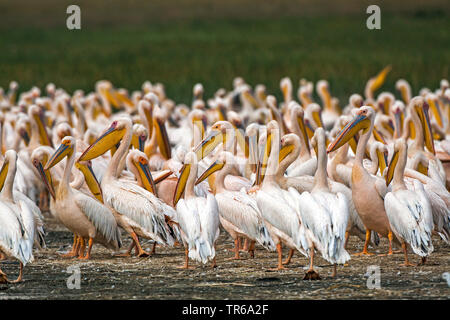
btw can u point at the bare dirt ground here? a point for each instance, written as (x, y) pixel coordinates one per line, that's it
(157, 277)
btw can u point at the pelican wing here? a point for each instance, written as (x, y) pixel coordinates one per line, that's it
(141, 207)
(38, 217)
(242, 211)
(209, 219)
(407, 213)
(298, 168)
(11, 233)
(100, 216)
(280, 210)
(316, 220)
(189, 222)
(29, 224)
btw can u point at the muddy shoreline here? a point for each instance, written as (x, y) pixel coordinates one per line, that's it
(157, 277)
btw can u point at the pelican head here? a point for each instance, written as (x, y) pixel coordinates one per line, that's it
(260, 93)
(218, 133)
(198, 118)
(140, 135)
(398, 109)
(420, 107)
(37, 114)
(63, 129)
(384, 102)
(400, 148)
(162, 138)
(23, 128)
(432, 100)
(289, 143)
(109, 139)
(198, 91)
(405, 89)
(10, 157)
(298, 114)
(91, 180)
(224, 158)
(314, 113)
(190, 163)
(286, 88)
(356, 101)
(376, 82)
(305, 93)
(138, 161)
(362, 121)
(322, 89)
(66, 148)
(39, 158)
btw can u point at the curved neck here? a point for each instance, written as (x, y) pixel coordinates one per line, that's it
(286, 162)
(305, 153)
(78, 181)
(220, 178)
(7, 191)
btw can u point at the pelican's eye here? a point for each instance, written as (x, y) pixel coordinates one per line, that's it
(142, 160)
(35, 162)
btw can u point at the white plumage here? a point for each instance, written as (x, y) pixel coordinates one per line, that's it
(409, 214)
(324, 216)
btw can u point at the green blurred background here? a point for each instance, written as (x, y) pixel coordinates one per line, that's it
(179, 43)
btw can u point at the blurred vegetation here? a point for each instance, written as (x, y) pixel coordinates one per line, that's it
(179, 43)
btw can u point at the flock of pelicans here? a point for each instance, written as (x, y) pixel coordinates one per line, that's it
(301, 174)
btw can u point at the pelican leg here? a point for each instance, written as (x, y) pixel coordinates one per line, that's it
(81, 248)
(280, 252)
(186, 260)
(366, 244)
(214, 264)
(142, 253)
(251, 249)
(423, 261)
(236, 249)
(405, 251)
(246, 245)
(238, 244)
(311, 274)
(73, 253)
(153, 249)
(390, 252)
(128, 252)
(19, 278)
(347, 235)
(334, 273)
(88, 253)
(3, 278)
(288, 259)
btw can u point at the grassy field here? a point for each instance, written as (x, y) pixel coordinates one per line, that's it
(214, 49)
